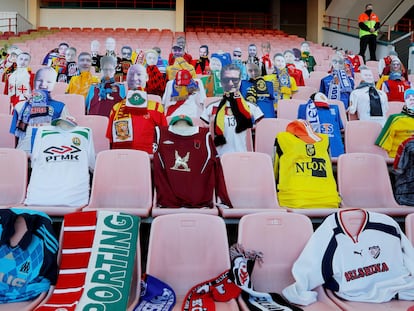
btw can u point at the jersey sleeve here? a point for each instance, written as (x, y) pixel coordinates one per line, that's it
(256, 112)
(206, 114)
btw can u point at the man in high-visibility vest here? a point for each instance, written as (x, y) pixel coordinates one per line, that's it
(368, 23)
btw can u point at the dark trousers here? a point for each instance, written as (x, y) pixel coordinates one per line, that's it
(371, 42)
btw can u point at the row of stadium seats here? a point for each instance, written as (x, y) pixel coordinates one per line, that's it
(187, 249)
(122, 180)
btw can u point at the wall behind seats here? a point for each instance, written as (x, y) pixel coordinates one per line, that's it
(161, 19)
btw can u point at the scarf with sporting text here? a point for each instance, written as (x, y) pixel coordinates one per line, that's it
(241, 112)
(97, 262)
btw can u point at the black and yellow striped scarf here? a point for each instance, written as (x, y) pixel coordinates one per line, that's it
(241, 112)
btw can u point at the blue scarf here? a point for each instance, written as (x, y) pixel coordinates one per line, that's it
(339, 84)
(35, 111)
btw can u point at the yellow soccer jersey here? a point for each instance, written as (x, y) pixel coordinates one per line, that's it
(304, 173)
(397, 129)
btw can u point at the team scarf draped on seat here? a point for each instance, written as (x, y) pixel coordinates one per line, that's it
(97, 262)
(242, 263)
(339, 84)
(241, 112)
(374, 98)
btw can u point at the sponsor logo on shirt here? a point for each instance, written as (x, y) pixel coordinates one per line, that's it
(62, 153)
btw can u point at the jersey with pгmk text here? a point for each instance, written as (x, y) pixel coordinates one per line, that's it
(374, 266)
(30, 267)
(61, 161)
(187, 170)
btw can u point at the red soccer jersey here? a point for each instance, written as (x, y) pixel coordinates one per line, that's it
(187, 170)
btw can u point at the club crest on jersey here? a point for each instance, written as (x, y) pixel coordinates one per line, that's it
(181, 163)
(62, 153)
(25, 268)
(76, 141)
(374, 251)
(310, 150)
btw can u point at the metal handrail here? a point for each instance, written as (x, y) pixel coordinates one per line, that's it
(350, 25)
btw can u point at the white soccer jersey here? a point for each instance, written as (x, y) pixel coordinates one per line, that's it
(359, 103)
(61, 160)
(235, 142)
(192, 107)
(374, 266)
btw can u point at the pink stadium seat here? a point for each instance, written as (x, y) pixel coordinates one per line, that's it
(409, 227)
(122, 182)
(267, 232)
(98, 124)
(210, 100)
(394, 107)
(266, 131)
(2, 84)
(74, 103)
(304, 92)
(4, 104)
(342, 110)
(354, 220)
(60, 88)
(288, 108)
(187, 249)
(360, 136)
(364, 182)
(250, 184)
(7, 140)
(13, 177)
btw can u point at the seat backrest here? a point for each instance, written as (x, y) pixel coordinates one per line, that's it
(122, 178)
(265, 134)
(342, 110)
(59, 88)
(364, 181)
(267, 232)
(210, 100)
(75, 103)
(394, 107)
(98, 124)
(288, 108)
(360, 136)
(4, 104)
(304, 92)
(249, 179)
(186, 249)
(7, 140)
(13, 177)
(154, 97)
(409, 227)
